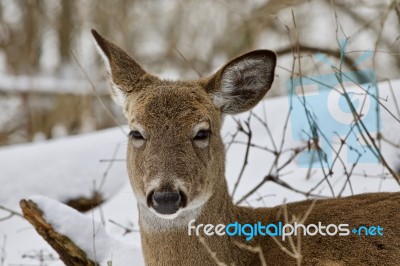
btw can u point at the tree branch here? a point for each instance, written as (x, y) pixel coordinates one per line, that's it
(68, 251)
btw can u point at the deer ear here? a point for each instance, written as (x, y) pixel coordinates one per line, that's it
(242, 83)
(124, 73)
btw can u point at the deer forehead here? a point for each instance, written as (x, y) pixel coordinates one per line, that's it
(172, 108)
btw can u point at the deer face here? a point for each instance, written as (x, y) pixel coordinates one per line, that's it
(175, 152)
(174, 147)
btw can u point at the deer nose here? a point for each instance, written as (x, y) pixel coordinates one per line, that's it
(166, 202)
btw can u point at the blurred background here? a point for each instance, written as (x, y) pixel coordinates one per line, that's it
(52, 82)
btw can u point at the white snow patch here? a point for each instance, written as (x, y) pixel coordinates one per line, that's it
(88, 234)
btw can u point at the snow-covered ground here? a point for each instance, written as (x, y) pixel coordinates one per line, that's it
(76, 166)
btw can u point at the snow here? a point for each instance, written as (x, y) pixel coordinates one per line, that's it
(49, 84)
(276, 110)
(104, 248)
(61, 169)
(69, 167)
(64, 168)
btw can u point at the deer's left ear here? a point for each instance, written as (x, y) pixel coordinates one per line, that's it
(242, 83)
(123, 71)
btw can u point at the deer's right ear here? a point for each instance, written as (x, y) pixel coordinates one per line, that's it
(242, 83)
(124, 73)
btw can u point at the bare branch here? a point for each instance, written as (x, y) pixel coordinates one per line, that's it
(11, 213)
(69, 252)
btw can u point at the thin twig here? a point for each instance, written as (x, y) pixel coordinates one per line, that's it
(11, 213)
(249, 135)
(256, 250)
(213, 254)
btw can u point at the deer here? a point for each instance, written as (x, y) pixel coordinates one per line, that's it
(176, 166)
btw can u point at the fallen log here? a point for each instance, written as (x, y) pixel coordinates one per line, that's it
(68, 251)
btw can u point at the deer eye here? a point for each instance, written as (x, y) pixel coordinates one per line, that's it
(202, 135)
(134, 134)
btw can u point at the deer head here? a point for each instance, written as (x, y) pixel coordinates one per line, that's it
(175, 152)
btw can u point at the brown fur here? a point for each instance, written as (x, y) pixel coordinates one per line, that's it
(169, 158)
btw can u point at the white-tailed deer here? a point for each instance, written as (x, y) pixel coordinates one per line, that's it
(176, 164)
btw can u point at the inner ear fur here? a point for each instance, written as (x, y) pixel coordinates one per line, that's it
(240, 84)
